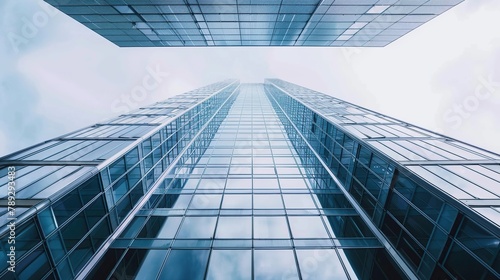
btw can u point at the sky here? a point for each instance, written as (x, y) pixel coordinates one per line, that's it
(57, 76)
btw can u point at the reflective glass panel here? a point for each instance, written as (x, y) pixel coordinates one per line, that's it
(230, 264)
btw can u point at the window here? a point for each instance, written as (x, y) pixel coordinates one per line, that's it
(185, 264)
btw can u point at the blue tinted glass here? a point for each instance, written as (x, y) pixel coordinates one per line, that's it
(185, 264)
(89, 189)
(132, 157)
(456, 260)
(152, 264)
(47, 221)
(134, 176)
(308, 227)
(320, 264)
(81, 254)
(230, 264)
(27, 237)
(298, 201)
(267, 201)
(56, 247)
(67, 206)
(197, 227)
(234, 227)
(100, 233)
(478, 240)
(35, 265)
(117, 169)
(237, 201)
(274, 264)
(74, 231)
(270, 227)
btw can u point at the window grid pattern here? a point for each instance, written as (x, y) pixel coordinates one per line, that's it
(253, 200)
(250, 194)
(371, 23)
(420, 222)
(60, 238)
(461, 171)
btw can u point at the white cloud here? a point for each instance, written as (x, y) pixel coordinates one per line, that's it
(4, 144)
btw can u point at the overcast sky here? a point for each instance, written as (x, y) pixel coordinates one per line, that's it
(60, 76)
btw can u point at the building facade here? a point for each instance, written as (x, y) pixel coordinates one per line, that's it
(348, 23)
(251, 181)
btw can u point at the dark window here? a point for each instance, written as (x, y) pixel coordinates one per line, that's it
(185, 264)
(427, 202)
(419, 226)
(100, 233)
(462, 265)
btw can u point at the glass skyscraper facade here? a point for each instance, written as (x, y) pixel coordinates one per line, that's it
(252, 181)
(154, 23)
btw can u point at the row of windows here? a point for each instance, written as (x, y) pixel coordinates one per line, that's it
(247, 43)
(156, 225)
(245, 264)
(63, 236)
(72, 150)
(424, 224)
(107, 130)
(304, 12)
(108, 30)
(417, 223)
(162, 148)
(301, 16)
(247, 227)
(382, 131)
(422, 149)
(462, 181)
(41, 182)
(410, 150)
(372, 175)
(75, 226)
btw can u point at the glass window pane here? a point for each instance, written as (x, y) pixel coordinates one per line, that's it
(267, 201)
(320, 265)
(152, 264)
(270, 227)
(237, 201)
(152, 227)
(176, 201)
(275, 264)
(298, 201)
(239, 184)
(197, 227)
(230, 265)
(234, 227)
(463, 264)
(185, 264)
(308, 227)
(170, 227)
(205, 201)
(264, 183)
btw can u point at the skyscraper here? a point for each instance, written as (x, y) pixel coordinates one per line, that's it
(251, 181)
(153, 23)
